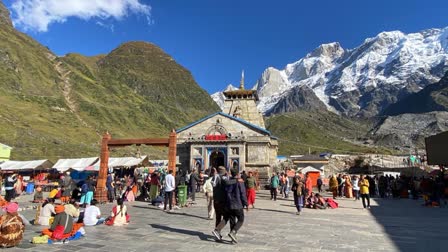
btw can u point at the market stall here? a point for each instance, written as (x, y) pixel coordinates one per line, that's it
(79, 168)
(78, 164)
(25, 166)
(30, 172)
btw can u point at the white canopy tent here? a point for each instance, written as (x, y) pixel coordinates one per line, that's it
(118, 162)
(78, 164)
(26, 165)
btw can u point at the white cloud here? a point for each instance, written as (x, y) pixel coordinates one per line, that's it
(107, 26)
(37, 15)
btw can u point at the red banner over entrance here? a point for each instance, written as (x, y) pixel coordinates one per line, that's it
(215, 137)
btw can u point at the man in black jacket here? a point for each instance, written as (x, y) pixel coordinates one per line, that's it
(219, 193)
(194, 180)
(9, 187)
(235, 202)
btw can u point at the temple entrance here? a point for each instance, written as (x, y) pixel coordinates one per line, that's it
(217, 158)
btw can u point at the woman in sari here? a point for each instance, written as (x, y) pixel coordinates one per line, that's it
(348, 187)
(155, 184)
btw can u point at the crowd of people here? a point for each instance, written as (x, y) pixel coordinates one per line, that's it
(302, 190)
(70, 206)
(433, 189)
(67, 209)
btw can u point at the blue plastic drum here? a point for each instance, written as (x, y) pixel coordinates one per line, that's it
(30, 188)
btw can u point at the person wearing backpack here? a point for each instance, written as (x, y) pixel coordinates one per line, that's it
(235, 202)
(87, 192)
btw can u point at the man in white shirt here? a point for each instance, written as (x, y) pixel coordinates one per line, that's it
(92, 215)
(169, 189)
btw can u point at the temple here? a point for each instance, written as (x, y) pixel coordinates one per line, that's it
(234, 138)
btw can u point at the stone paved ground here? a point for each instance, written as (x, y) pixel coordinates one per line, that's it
(391, 225)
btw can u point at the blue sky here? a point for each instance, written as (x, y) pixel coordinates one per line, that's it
(215, 40)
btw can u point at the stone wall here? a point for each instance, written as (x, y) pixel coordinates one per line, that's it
(249, 111)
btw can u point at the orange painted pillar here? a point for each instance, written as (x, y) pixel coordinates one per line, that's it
(172, 152)
(101, 191)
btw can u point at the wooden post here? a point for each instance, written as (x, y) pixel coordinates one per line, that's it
(101, 191)
(172, 152)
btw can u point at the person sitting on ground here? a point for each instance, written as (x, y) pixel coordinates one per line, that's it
(320, 202)
(119, 215)
(54, 193)
(310, 200)
(46, 212)
(92, 214)
(11, 226)
(62, 225)
(38, 195)
(72, 209)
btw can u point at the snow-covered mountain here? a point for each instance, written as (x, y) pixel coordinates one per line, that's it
(218, 97)
(361, 81)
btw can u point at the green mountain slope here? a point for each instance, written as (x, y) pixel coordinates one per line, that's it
(319, 132)
(60, 106)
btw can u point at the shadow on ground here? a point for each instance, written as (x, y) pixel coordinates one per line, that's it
(202, 236)
(411, 226)
(189, 215)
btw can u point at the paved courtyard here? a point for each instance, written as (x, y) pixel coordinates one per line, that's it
(390, 225)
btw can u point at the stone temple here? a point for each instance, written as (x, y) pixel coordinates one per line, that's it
(233, 138)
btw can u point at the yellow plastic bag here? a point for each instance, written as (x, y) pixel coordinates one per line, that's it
(40, 239)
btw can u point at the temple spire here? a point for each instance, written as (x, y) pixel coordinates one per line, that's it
(242, 80)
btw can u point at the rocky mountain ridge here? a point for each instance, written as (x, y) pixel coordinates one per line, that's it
(365, 80)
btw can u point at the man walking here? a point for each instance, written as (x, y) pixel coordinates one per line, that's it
(219, 194)
(194, 180)
(110, 187)
(319, 185)
(169, 187)
(340, 185)
(235, 202)
(274, 185)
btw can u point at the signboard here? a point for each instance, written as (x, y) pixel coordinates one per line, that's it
(437, 149)
(215, 137)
